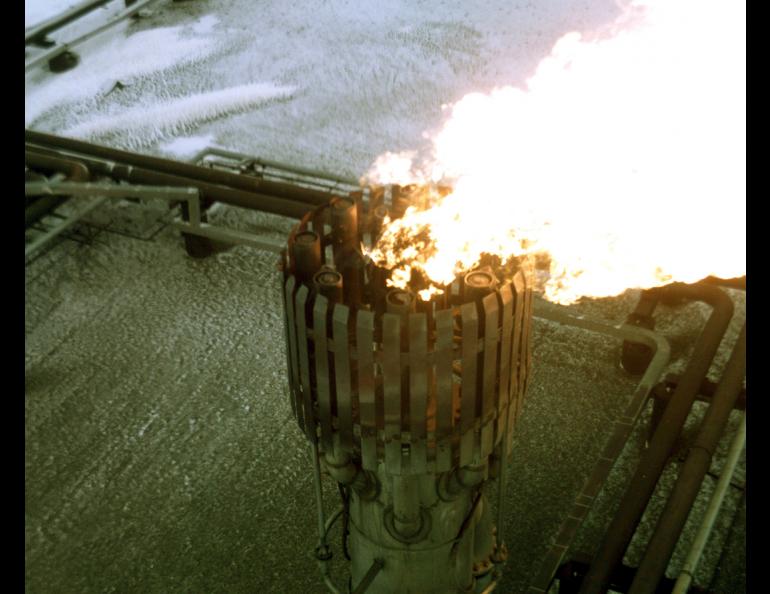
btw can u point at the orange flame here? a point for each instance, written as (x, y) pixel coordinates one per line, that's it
(623, 160)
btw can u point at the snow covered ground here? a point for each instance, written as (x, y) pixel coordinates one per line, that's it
(329, 84)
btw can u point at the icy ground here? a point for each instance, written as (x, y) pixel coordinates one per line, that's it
(326, 84)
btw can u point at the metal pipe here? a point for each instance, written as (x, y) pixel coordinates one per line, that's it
(300, 171)
(643, 484)
(37, 208)
(48, 236)
(477, 284)
(64, 47)
(209, 191)
(76, 171)
(58, 21)
(622, 428)
(696, 465)
(704, 531)
(635, 356)
(406, 506)
(322, 550)
(182, 169)
(328, 283)
(102, 192)
(731, 283)
(376, 221)
(399, 301)
(344, 222)
(119, 191)
(332, 519)
(306, 253)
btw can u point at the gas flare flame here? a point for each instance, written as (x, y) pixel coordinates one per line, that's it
(622, 160)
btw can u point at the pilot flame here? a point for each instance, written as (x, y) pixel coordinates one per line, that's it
(622, 159)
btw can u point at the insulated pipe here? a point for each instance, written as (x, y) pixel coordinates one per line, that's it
(715, 504)
(57, 22)
(695, 467)
(642, 486)
(180, 168)
(75, 171)
(209, 191)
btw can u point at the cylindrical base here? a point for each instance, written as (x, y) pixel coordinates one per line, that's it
(450, 549)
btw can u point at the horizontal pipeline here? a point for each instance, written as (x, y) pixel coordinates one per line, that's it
(209, 191)
(179, 168)
(39, 31)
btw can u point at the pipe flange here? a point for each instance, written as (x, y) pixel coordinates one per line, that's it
(420, 534)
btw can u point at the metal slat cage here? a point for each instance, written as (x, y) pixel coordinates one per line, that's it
(396, 386)
(421, 391)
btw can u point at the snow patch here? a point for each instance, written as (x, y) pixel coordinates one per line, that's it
(145, 125)
(37, 11)
(187, 146)
(205, 25)
(127, 60)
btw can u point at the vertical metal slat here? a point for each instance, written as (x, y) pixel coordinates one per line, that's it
(505, 360)
(300, 301)
(470, 323)
(368, 409)
(391, 371)
(340, 319)
(518, 309)
(491, 312)
(291, 341)
(320, 309)
(525, 350)
(444, 354)
(418, 391)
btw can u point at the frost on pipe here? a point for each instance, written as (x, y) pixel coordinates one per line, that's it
(410, 401)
